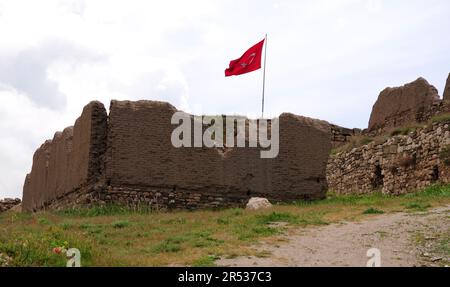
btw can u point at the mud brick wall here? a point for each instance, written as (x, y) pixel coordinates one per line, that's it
(398, 106)
(128, 159)
(142, 161)
(340, 135)
(400, 165)
(69, 161)
(447, 90)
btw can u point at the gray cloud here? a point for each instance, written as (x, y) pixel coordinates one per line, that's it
(27, 70)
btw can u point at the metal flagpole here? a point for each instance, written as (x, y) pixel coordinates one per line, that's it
(264, 75)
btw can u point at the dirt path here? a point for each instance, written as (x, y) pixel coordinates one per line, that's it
(404, 239)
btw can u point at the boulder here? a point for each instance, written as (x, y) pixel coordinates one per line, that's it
(257, 203)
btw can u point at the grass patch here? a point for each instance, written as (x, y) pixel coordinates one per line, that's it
(205, 261)
(444, 155)
(103, 210)
(36, 249)
(441, 118)
(444, 245)
(66, 225)
(43, 221)
(417, 206)
(174, 221)
(167, 246)
(359, 141)
(277, 217)
(434, 191)
(373, 211)
(120, 224)
(355, 199)
(92, 229)
(405, 130)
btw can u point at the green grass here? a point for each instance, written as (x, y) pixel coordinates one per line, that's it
(444, 155)
(417, 206)
(120, 224)
(406, 129)
(359, 141)
(444, 245)
(441, 118)
(103, 210)
(115, 236)
(373, 211)
(205, 261)
(277, 217)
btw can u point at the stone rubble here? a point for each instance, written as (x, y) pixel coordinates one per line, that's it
(8, 203)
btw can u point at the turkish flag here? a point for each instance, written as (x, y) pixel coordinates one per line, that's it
(249, 62)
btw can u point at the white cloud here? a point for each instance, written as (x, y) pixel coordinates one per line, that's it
(327, 59)
(24, 127)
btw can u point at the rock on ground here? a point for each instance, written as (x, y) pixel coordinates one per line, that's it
(257, 203)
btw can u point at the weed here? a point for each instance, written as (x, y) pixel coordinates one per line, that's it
(43, 221)
(277, 217)
(66, 225)
(224, 221)
(444, 155)
(418, 206)
(205, 261)
(373, 211)
(120, 224)
(441, 118)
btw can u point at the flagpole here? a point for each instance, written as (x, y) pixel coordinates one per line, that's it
(264, 76)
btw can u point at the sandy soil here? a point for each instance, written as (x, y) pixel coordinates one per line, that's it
(346, 244)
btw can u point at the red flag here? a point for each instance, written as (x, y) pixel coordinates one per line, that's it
(249, 62)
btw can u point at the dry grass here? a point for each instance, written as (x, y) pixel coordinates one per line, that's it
(117, 237)
(362, 140)
(358, 141)
(441, 118)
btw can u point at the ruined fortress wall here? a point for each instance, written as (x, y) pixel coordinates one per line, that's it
(67, 162)
(128, 158)
(395, 107)
(340, 135)
(142, 161)
(447, 90)
(399, 165)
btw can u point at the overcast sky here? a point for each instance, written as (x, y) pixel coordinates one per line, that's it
(325, 59)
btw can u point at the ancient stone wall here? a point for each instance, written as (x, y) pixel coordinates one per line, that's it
(69, 161)
(399, 165)
(395, 107)
(341, 135)
(129, 159)
(447, 90)
(8, 203)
